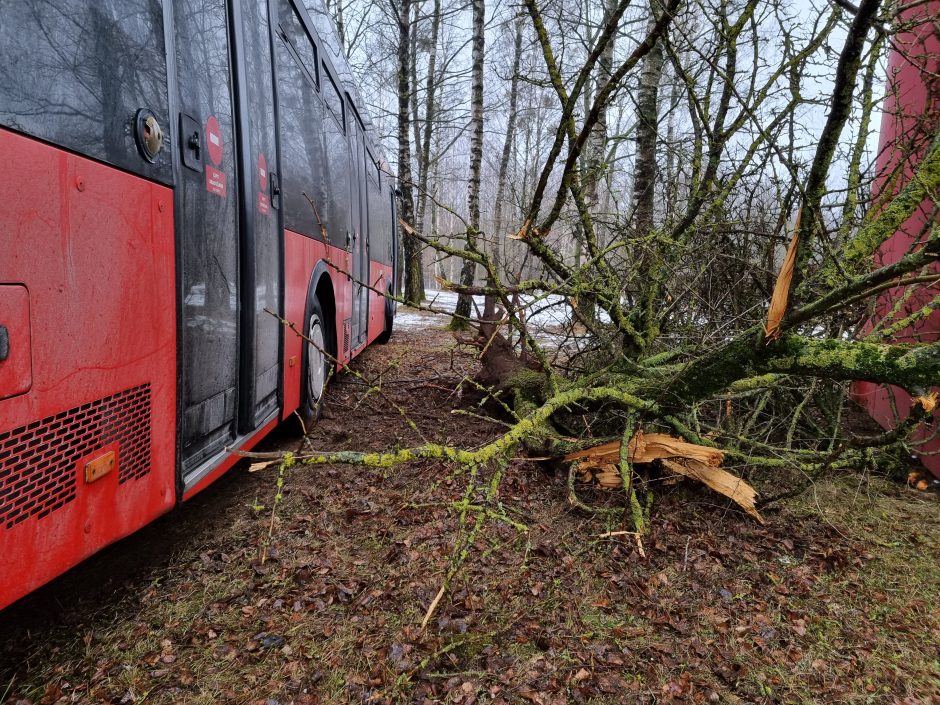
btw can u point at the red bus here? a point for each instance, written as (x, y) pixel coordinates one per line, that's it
(174, 171)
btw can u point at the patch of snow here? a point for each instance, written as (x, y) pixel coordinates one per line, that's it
(413, 319)
(544, 315)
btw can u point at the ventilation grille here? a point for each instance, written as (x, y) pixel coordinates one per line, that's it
(346, 327)
(38, 462)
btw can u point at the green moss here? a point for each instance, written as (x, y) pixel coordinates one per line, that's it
(529, 381)
(886, 221)
(458, 324)
(751, 383)
(908, 366)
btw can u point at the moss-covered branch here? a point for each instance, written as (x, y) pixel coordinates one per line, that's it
(883, 224)
(909, 366)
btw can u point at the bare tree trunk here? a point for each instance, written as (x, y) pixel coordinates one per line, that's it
(671, 177)
(414, 276)
(468, 271)
(340, 24)
(596, 154)
(498, 238)
(413, 71)
(644, 184)
(644, 172)
(430, 115)
(435, 229)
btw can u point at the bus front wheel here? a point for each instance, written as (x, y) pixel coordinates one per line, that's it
(317, 363)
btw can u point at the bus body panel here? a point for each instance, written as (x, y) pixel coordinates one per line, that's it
(380, 279)
(137, 290)
(301, 256)
(93, 246)
(910, 120)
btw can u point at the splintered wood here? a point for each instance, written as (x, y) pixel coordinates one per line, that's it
(645, 448)
(698, 462)
(927, 401)
(781, 295)
(721, 481)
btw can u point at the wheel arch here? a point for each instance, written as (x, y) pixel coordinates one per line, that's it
(321, 288)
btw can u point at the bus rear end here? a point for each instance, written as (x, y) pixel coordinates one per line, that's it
(143, 211)
(87, 283)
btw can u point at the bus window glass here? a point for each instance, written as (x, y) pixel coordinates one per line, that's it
(207, 236)
(325, 28)
(377, 234)
(76, 73)
(337, 179)
(331, 96)
(303, 146)
(292, 31)
(267, 234)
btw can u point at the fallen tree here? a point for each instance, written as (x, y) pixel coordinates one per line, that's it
(718, 336)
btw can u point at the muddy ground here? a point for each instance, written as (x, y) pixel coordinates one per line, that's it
(836, 599)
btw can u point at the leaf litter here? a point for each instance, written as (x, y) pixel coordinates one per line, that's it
(817, 605)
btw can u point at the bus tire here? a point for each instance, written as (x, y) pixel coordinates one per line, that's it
(317, 363)
(386, 333)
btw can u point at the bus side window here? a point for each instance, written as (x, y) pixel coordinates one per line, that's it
(332, 99)
(305, 167)
(298, 42)
(337, 164)
(64, 78)
(378, 236)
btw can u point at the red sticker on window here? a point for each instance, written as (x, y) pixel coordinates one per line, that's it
(264, 203)
(215, 181)
(214, 140)
(263, 171)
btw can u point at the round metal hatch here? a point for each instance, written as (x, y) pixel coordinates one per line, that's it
(148, 134)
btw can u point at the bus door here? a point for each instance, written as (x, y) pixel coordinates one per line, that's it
(227, 226)
(360, 220)
(207, 227)
(261, 195)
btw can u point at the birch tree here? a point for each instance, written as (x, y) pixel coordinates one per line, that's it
(468, 270)
(413, 270)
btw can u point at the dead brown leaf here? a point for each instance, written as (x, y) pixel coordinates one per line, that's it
(927, 401)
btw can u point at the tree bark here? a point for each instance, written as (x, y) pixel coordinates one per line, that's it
(430, 115)
(341, 24)
(597, 145)
(647, 132)
(413, 271)
(468, 270)
(644, 184)
(595, 155)
(498, 237)
(413, 72)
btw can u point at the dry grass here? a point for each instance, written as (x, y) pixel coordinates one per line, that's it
(834, 600)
